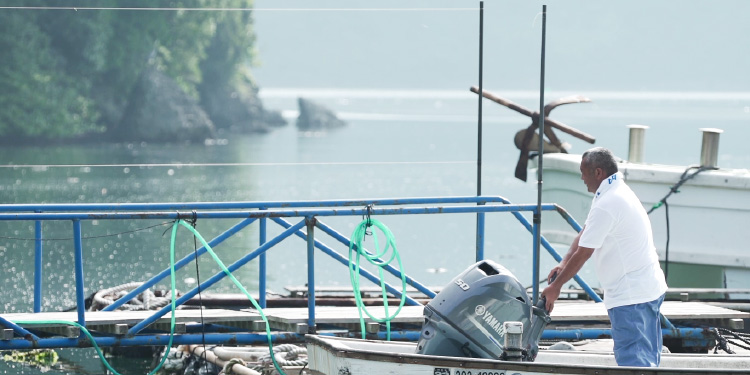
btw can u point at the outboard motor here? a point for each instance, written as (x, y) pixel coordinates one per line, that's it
(467, 318)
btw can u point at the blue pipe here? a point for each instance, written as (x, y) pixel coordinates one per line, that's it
(343, 260)
(214, 279)
(416, 284)
(591, 333)
(395, 335)
(551, 250)
(17, 329)
(281, 213)
(535, 259)
(569, 219)
(80, 296)
(665, 323)
(38, 271)
(480, 237)
(245, 205)
(310, 222)
(151, 340)
(179, 264)
(251, 338)
(262, 271)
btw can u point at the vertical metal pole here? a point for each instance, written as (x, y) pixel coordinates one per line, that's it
(480, 215)
(480, 235)
(538, 212)
(479, 119)
(38, 261)
(80, 298)
(310, 222)
(262, 266)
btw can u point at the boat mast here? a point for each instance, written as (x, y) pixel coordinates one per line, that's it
(538, 212)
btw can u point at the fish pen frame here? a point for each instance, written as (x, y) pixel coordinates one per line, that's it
(249, 212)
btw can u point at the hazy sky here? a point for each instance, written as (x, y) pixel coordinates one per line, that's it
(630, 45)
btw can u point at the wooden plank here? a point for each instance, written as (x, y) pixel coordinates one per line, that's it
(333, 315)
(290, 319)
(343, 317)
(708, 290)
(295, 319)
(113, 318)
(302, 290)
(673, 310)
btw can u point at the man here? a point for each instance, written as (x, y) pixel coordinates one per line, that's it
(618, 234)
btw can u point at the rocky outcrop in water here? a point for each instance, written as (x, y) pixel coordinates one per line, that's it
(239, 111)
(159, 111)
(313, 116)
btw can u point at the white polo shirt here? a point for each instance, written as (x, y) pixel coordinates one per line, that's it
(619, 230)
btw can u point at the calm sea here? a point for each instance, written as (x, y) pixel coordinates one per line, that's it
(397, 143)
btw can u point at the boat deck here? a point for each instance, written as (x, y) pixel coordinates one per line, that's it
(295, 319)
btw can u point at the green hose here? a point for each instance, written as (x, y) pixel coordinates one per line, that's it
(171, 325)
(174, 293)
(357, 238)
(242, 288)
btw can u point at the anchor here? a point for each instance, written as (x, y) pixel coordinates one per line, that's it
(524, 137)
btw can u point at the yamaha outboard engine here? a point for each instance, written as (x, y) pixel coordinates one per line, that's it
(467, 318)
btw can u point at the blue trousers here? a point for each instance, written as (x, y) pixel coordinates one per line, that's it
(636, 330)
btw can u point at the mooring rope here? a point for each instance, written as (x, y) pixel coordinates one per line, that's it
(722, 342)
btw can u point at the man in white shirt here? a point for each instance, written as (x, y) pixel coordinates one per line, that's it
(618, 234)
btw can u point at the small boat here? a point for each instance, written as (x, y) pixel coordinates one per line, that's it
(698, 212)
(334, 355)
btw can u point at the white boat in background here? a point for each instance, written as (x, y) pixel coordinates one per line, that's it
(333, 355)
(703, 225)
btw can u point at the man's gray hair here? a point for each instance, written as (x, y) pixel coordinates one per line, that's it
(600, 157)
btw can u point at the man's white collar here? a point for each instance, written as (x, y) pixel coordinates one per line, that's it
(608, 183)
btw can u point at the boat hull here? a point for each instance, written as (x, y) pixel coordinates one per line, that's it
(336, 356)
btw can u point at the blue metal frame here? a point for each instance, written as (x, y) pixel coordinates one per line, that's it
(310, 222)
(262, 270)
(38, 261)
(309, 213)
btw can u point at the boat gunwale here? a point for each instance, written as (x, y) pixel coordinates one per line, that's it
(329, 344)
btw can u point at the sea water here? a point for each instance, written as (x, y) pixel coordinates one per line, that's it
(396, 144)
(415, 136)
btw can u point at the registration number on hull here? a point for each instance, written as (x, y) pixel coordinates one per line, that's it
(463, 371)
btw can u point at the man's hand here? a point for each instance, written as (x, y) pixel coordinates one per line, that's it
(551, 293)
(554, 272)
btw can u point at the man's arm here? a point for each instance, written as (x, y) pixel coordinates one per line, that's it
(572, 250)
(566, 270)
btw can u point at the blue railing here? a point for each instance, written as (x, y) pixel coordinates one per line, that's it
(310, 214)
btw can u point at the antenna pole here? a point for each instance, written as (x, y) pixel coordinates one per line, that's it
(479, 120)
(480, 216)
(538, 212)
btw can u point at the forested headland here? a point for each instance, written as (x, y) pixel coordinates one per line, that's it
(177, 74)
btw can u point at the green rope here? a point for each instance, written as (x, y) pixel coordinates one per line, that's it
(354, 276)
(174, 293)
